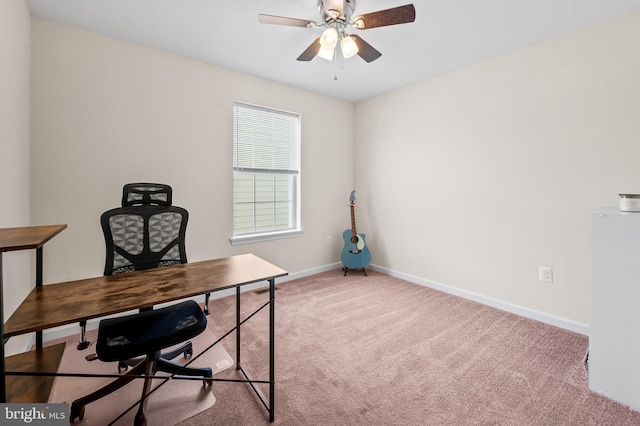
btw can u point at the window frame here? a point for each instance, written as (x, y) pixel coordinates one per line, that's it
(295, 229)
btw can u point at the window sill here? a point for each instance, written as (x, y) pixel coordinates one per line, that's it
(258, 238)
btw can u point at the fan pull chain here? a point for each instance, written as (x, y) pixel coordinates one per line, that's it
(335, 76)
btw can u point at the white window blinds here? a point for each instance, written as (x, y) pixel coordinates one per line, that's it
(266, 146)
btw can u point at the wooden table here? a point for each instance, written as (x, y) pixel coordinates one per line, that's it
(27, 238)
(74, 301)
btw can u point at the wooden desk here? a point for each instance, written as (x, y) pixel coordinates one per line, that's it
(29, 237)
(74, 301)
(25, 238)
(21, 389)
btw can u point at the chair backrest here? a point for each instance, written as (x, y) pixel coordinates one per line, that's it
(146, 232)
(137, 194)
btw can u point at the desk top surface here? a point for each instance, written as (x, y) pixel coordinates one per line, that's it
(28, 237)
(53, 305)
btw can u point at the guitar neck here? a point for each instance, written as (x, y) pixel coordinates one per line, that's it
(353, 221)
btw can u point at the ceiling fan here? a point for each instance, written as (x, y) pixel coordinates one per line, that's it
(336, 18)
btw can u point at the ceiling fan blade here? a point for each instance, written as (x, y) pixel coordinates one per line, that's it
(365, 50)
(396, 15)
(311, 51)
(283, 20)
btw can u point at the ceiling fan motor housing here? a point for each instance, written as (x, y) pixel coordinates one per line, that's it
(336, 18)
(336, 9)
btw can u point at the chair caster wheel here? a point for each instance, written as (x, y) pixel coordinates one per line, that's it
(83, 345)
(208, 377)
(76, 413)
(188, 353)
(122, 367)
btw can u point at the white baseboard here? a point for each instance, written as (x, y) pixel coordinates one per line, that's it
(70, 329)
(556, 321)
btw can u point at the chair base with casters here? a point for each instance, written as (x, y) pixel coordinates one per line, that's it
(145, 333)
(185, 350)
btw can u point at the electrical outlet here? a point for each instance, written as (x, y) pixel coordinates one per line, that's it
(328, 240)
(545, 273)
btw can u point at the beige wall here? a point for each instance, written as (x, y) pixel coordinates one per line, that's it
(467, 182)
(15, 61)
(474, 179)
(107, 112)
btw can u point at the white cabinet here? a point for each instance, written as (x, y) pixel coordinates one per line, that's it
(614, 332)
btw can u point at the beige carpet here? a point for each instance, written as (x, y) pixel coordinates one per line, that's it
(378, 350)
(172, 403)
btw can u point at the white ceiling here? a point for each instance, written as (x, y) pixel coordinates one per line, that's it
(447, 34)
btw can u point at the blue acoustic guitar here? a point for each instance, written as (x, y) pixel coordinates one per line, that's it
(355, 254)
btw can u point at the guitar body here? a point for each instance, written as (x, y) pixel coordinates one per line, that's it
(354, 255)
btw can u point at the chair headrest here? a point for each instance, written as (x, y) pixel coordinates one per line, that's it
(140, 194)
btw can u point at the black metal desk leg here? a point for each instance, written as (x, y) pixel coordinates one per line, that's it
(39, 268)
(3, 391)
(237, 328)
(272, 346)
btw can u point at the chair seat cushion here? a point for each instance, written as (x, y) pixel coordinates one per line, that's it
(149, 331)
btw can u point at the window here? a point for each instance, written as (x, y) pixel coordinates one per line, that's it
(266, 174)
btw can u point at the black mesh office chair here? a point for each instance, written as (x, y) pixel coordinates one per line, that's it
(166, 238)
(146, 232)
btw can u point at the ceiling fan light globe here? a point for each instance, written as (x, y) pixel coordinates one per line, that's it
(325, 53)
(329, 38)
(348, 46)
